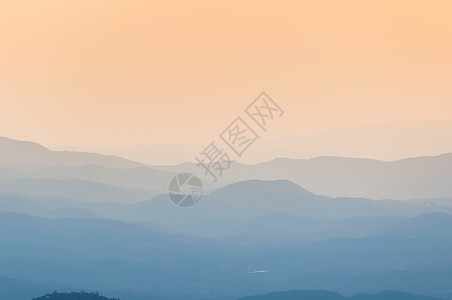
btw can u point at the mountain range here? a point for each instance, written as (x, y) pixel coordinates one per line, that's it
(388, 141)
(326, 295)
(411, 178)
(349, 255)
(104, 223)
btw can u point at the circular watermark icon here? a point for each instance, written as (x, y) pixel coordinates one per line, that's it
(185, 189)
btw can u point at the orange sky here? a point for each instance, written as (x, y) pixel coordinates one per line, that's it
(121, 73)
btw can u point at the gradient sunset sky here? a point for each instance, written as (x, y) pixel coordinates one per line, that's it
(122, 73)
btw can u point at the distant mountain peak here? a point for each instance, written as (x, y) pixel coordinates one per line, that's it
(264, 186)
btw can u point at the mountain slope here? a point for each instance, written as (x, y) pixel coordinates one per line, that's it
(81, 190)
(239, 203)
(326, 295)
(14, 289)
(14, 152)
(116, 256)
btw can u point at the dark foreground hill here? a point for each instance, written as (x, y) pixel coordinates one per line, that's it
(73, 296)
(326, 295)
(289, 295)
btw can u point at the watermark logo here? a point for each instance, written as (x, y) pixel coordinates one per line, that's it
(185, 189)
(214, 160)
(239, 136)
(263, 110)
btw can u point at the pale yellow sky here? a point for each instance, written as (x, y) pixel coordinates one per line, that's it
(122, 73)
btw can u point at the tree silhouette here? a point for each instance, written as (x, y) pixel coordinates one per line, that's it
(73, 296)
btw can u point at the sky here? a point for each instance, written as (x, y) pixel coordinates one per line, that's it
(123, 73)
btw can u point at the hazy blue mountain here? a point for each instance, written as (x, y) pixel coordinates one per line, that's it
(14, 289)
(81, 190)
(85, 238)
(391, 295)
(239, 203)
(295, 295)
(44, 206)
(226, 213)
(233, 213)
(420, 177)
(140, 178)
(249, 237)
(286, 228)
(326, 295)
(432, 202)
(411, 254)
